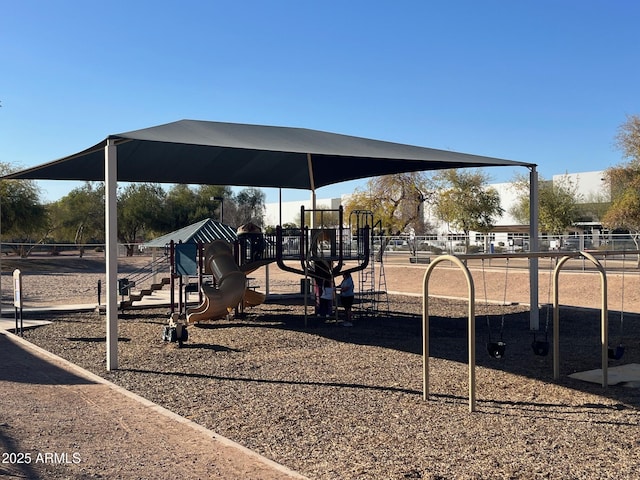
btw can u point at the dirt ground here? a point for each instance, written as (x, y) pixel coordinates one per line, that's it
(59, 422)
(119, 437)
(579, 284)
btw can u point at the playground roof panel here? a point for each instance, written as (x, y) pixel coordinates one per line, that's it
(204, 231)
(216, 153)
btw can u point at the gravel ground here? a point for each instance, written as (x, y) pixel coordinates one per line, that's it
(335, 402)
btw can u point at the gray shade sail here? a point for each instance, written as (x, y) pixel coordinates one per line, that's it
(215, 153)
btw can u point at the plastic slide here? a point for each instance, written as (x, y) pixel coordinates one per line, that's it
(231, 281)
(253, 298)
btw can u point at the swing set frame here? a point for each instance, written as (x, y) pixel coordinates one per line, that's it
(562, 259)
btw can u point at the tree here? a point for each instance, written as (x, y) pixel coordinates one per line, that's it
(250, 206)
(466, 202)
(624, 183)
(557, 203)
(24, 218)
(215, 201)
(181, 203)
(624, 212)
(628, 138)
(186, 205)
(79, 215)
(140, 212)
(396, 200)
(593, 207)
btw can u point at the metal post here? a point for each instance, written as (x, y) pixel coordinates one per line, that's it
(604, 325)
(111, 251)
(17, 300)
(221, 200)
(172, 276)
(534, 311)
(471, 331)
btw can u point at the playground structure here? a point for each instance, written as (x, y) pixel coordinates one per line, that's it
(229, 284)
(322, 252)
(325, 251)
(538, 346)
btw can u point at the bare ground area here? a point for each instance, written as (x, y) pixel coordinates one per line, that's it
(335, 402)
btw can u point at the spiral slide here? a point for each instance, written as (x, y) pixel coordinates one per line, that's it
(231, 281)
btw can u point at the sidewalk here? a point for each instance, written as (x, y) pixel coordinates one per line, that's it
(70, 423)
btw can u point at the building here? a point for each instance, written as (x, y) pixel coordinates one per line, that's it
(291, 210)
(590, 187)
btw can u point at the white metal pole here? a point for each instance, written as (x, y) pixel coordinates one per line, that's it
(280, 206)
(534, 311)
(111, 251)
(312, 217)
(312, 184)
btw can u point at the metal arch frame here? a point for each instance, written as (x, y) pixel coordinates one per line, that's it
(604, 324)
(458, 260)
(471, 330)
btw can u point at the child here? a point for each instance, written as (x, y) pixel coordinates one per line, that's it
(326, 299)
(346, 297)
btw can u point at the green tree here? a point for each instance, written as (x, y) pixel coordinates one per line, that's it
(215, 201)
(557, 203)
(624, 182)
(24, 217)
(624, 212)
(397, 201)
(250, 206)
(181, 205)
(466, 202)
(78, 217)
(186, 205)
(140, 212)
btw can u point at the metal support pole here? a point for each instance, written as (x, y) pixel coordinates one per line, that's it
(534, 311)
(111, 251)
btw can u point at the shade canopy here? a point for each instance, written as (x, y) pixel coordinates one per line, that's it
(216, 153)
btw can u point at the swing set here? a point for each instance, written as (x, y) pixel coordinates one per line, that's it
(497, 349)
(541, 347)
(617, 352)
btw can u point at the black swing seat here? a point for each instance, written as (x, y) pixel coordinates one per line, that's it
(540, 347)
(496, 349)
(616, 353)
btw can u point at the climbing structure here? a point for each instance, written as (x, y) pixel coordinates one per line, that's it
(372, 284)
(322, 248)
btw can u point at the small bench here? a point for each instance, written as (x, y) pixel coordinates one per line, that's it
(417, 259)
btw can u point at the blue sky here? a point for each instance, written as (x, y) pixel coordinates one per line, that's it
(541, 81)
